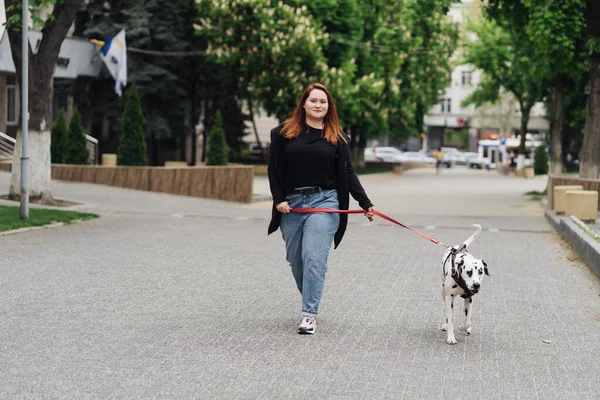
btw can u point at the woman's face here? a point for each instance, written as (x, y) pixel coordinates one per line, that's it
(316, 104)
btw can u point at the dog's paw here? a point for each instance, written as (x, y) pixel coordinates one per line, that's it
(468, 331)
(451, 340)
(443, 327)
(466, 328)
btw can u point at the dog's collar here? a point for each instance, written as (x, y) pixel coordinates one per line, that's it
(456, 276)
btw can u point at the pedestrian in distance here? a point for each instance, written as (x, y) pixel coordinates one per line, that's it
(439, 159)
(310, 167)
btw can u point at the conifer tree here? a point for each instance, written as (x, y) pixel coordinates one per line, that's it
(217, 148)
(59, 132)
(76, 145)
(132, 142)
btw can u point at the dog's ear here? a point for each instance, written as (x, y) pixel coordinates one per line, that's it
(485, 268)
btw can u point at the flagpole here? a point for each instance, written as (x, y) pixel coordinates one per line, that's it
(25, 114)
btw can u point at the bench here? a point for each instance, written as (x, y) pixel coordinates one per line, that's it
(583, 204)
(560, 197)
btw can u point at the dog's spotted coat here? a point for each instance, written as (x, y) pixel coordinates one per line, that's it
(467, 269)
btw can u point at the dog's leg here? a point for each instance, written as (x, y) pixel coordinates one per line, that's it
(467, 325)
(450, 326)
(444, 318)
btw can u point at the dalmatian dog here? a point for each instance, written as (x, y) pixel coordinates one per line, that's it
(462, 276)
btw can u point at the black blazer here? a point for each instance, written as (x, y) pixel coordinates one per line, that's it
(348, 182)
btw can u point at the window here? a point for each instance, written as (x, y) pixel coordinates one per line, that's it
(446, 105)
(11, 100)
(465, 78)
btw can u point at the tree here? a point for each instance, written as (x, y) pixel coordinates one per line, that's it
(217, 148)
(59, 134)
(271, 50)
(343, 44)
(41, 71)
(556, 30)
(163, 82)
(504, 56)
(132, 142)
(590, 154)
(76, 144)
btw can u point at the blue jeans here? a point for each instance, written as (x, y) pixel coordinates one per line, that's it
(308, 239)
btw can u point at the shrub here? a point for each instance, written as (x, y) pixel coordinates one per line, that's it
(58, 141)
(132, 142)
(217, 147)
(540, 162)
(76, 143)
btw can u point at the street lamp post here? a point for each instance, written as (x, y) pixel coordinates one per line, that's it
(25, 114)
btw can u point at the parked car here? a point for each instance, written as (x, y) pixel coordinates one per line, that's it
(416, 156)
(457, 157)
(469, 155)
(385, 154)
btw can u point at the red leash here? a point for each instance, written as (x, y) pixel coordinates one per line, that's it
(329, 210)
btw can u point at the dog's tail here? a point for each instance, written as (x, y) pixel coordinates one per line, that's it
(470, 240)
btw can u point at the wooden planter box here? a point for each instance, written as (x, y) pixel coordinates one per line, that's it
(231, 183)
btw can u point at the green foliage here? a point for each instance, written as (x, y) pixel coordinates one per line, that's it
(384, 62)
(132, 142)
(14, 21)
(503, 51)
(162, 81)
(76, 144)
(272, 50)
(540, 162)
(593, 46)
(59, 137)
(217, 148)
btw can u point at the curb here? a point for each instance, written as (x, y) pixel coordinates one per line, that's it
(31, 228)
(586, 247)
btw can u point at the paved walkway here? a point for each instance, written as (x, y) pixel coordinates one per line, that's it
(177, 297)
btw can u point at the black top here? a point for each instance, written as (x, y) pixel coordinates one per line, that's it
(346, 180)
(309, 161)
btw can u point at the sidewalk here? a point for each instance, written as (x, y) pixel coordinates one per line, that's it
(177, 297)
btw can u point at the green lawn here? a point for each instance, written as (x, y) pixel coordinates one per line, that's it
(10, 217)
(370, 170)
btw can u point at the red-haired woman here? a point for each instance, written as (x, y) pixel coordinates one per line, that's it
(310, 166)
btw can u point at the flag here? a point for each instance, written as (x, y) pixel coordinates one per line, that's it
(114, 55)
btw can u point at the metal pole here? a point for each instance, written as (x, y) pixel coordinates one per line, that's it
(25, 114)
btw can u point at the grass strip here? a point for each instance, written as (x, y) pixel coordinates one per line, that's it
(10, 217)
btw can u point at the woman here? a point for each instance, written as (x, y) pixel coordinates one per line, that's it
(310, 166)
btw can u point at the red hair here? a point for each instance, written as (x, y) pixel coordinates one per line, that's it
(297, 122)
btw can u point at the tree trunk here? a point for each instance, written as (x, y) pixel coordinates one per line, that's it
(41, 72)
(557, 120)
(353, 142)
(262, 152)
(525, 110)
(360, 153)
(590, 150)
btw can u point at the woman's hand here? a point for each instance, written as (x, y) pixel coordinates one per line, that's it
(369, 214)
(283, 207)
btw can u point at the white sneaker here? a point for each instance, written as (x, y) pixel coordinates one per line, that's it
(308, 326)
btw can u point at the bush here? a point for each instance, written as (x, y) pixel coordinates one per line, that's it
(58, 141)
(540, 162)
(132, 142)
(76, 144)
(217, 147)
